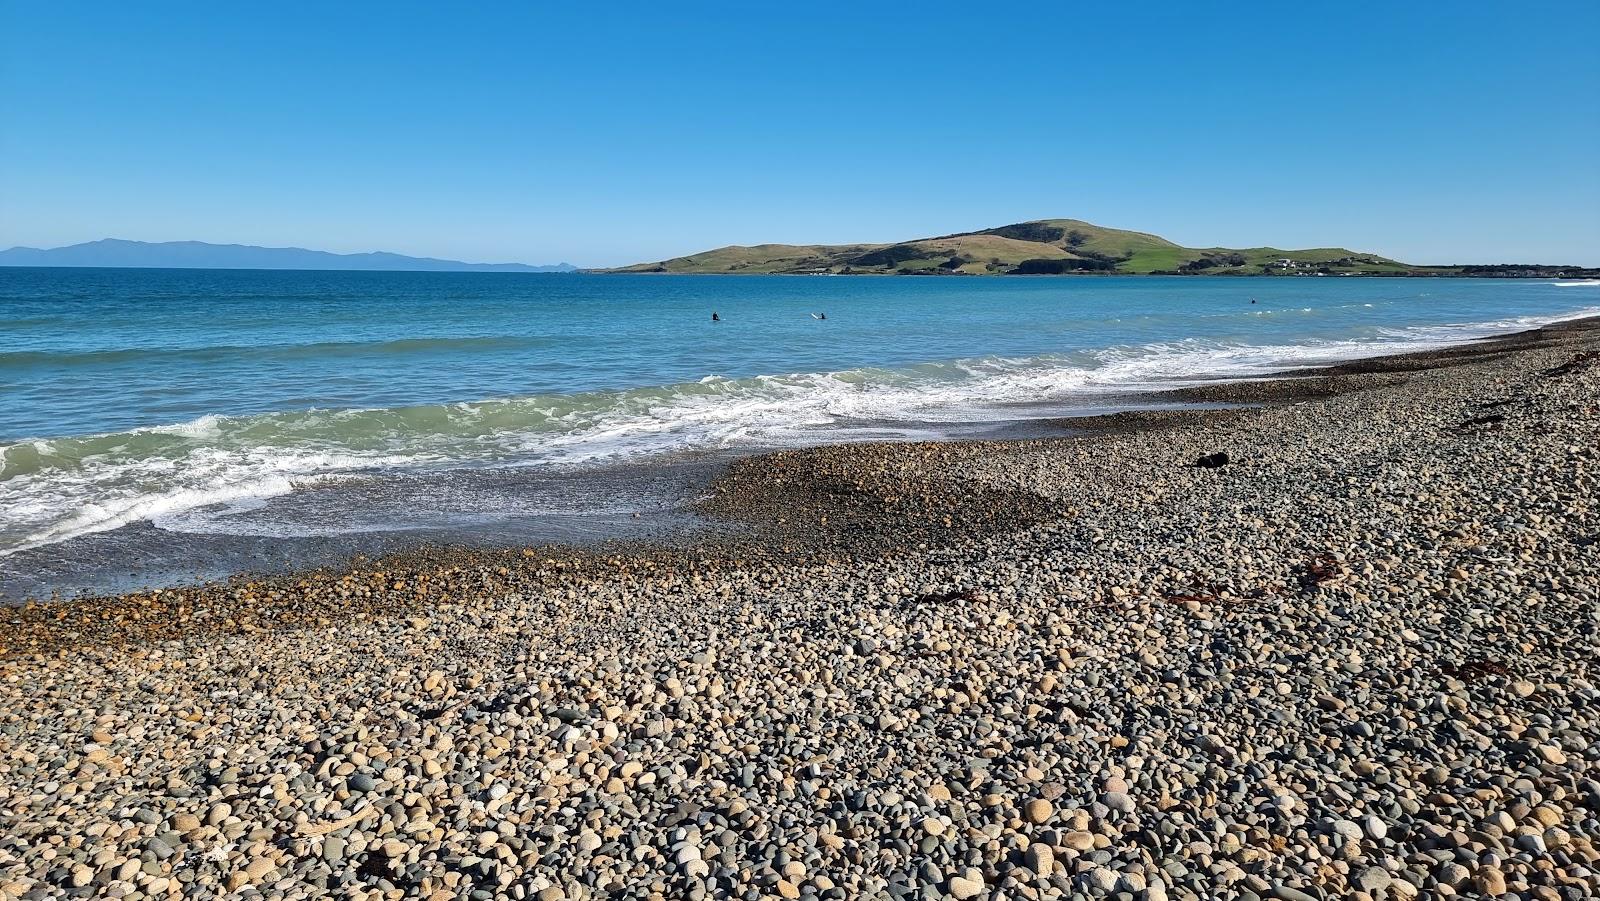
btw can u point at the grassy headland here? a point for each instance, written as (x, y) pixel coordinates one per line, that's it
(1056, 247)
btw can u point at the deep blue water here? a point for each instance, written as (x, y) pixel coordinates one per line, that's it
(190, 398)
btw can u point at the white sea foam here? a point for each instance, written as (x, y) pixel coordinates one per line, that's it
(105, 492)
(207, 426)
(57, 490)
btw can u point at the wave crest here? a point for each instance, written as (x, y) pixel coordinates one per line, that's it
(53, 490)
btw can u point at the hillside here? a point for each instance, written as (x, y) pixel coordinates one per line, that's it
(1040, 247)
(116, 253)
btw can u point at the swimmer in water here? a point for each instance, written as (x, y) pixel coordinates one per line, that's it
(715, 317)
(819, 315)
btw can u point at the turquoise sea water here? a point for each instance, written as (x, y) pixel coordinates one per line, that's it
(191, 400)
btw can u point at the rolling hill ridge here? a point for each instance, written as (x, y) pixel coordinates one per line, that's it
(1038, 247)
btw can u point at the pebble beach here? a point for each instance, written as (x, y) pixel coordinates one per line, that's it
(1355, 660)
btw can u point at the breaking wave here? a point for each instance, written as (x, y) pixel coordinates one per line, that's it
(52, 490)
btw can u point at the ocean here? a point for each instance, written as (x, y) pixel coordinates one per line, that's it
(170, 424)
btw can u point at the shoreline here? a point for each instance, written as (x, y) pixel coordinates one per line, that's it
(1422, 273)
(212, 488)
(135, 560)
(753, 502)
(1356, 661)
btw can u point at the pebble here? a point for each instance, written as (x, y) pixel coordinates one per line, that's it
(1489, 880)
(1374, 879)
(969, 884)
(1375, 828)
(1039, 858)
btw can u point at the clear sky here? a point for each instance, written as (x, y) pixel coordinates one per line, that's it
(1431, 132)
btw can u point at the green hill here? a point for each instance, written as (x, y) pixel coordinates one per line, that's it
(1040, 247)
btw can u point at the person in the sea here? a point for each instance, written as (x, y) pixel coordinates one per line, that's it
(819, 315)
(715, 317)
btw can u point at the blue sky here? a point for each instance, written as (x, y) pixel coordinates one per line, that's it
(1461, 132)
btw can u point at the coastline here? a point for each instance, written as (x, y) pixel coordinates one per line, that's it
(1424, 272)
(844, 500)
(1356, 661)
(326, 438)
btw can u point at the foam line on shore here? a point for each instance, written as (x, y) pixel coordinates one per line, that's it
(57, 489)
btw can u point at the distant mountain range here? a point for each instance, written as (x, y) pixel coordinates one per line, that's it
(112, 252)
(1060, 246)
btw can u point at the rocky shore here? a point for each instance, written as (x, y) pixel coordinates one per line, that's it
(1354, 661)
